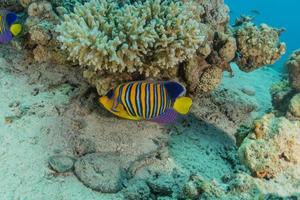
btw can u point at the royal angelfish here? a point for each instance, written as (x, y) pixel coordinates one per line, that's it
(161, 101)
(9, 28)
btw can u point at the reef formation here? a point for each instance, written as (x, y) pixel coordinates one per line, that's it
(114, 41)
(271, 144)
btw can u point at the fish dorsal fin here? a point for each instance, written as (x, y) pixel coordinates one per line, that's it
(11, 18)
(174, 89)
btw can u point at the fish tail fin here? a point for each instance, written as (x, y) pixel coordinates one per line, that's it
(16, 29)
(182, 105)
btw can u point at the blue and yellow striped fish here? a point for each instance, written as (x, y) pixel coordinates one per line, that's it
(156, 101)
(8, 26)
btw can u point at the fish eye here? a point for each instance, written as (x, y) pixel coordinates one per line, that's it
(110, 94)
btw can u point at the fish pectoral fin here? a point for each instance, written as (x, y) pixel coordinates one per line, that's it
(124, 114)
(117, 108)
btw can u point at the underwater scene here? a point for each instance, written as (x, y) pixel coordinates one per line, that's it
(149, 100)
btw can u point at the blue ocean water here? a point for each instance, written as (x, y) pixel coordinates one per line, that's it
(276, 13)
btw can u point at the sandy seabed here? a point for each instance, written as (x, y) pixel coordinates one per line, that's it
(43, 112)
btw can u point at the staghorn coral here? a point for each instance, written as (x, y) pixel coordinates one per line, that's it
(257, 46)
(272, 145)
(145, 36)
(293, 66)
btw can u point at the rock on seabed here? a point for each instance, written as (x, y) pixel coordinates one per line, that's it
(101, 172)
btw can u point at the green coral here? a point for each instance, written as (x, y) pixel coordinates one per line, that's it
(144, 36)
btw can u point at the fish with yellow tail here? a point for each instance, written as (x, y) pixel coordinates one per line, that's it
(9, 27)
(161, 101)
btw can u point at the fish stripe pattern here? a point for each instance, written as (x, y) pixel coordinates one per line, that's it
(133, 98)
(138, 99)
(156, 101)
(151, 100)
(165, 101)
(2, 24)
(127, 100)
(143, 96)
(147, 100)
(123, 97)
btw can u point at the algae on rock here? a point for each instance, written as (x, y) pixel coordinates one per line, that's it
(271, 146)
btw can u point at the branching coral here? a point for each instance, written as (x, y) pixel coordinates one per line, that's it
(122, 40)
(257, 46)
(146, 36)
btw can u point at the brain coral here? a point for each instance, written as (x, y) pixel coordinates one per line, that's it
(144, 36)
